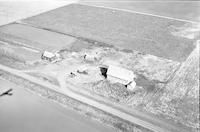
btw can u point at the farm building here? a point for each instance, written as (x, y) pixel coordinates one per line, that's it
(90, 57)
(131, 86)
(117, 74)
(48, 56)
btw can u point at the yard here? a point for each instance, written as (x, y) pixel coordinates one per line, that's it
(153, 75)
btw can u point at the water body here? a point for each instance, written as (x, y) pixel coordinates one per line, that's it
(26, 112)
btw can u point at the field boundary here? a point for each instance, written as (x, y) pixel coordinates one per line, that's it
(137, 12)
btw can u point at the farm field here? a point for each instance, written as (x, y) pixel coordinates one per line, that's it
(36, 38)
(144, 33)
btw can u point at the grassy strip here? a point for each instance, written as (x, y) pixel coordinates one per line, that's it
(4, 51)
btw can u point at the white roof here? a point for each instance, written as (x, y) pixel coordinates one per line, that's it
(48, 54)
(120, 73)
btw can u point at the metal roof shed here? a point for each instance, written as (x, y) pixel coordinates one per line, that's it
(120, 75)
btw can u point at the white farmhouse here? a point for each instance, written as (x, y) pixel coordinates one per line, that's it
(48, 56)
(89, 57)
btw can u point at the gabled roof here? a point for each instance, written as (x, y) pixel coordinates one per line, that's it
(120, 73)
(48, 54)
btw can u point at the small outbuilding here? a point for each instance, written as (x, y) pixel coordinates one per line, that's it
(48, 56)
(82, 70)
(104, 70)
(131, 86)
(89, 57)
